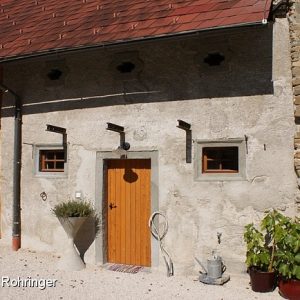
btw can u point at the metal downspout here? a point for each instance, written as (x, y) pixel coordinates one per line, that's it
(16, 227)
(16, 220)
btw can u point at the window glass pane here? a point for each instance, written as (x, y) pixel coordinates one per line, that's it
(230, 165)
(59, 165)
(49, 165)
(49, 154)
(229, 153)
(212, 153)
(60, 154)
(220, 159)
(213, 165)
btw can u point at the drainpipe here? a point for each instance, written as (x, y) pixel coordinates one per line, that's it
(16, 226)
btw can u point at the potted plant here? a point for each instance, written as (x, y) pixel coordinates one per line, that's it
(288, 257)
(72, 214)
(260, 255)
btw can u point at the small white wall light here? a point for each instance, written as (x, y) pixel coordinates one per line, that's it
(78, 195)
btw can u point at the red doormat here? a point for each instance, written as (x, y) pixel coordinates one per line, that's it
(124, 268)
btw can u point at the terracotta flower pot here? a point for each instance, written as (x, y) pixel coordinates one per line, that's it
(289, 288)
(262, 282)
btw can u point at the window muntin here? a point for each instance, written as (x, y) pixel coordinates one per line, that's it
(51, 160)
(220, 160)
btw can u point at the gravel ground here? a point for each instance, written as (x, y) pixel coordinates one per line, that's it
(98, 283)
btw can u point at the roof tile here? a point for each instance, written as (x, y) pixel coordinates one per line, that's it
(28, 26)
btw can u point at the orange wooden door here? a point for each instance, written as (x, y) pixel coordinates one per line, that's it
(128, 211)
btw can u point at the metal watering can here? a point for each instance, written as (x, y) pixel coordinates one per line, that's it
(215, 267)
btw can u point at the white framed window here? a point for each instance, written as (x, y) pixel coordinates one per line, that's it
(220, 160)
(50, 161)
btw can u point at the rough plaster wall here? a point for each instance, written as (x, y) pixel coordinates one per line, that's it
(236, 99)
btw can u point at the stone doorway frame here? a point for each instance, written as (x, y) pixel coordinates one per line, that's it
(101, 240)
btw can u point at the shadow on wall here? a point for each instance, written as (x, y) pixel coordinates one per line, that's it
(235, 64)
(87, 234)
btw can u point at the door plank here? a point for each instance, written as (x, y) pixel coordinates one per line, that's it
(142, 215)
(117, 202)
(148, 211)
(113, 214)
(138, 214)
(127, 207)
(133, 214)
(145, 213)
(108, 193)
(122, 196)
(142, 206)
(110, 217)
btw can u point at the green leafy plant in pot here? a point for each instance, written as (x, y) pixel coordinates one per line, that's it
(72, 214)
(288, 257)
(260, 256)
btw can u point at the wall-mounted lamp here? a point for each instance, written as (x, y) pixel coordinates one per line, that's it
(5, 89)
(121, 151)
(78, 195)
(124, 146)
(187, 128)
(63, 131)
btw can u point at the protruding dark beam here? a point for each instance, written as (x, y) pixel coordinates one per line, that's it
(183, 125)
(114, 127)
(119, 129)
(56, 129)
(188, 141)
(63, 131)
(246, 141)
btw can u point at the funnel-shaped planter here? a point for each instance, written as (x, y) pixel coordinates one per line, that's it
(71, 261)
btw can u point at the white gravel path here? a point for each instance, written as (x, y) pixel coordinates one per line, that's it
(97, 283)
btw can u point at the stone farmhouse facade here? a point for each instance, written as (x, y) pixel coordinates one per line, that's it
(228, 77)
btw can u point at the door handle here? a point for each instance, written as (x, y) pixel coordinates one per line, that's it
(112, 205)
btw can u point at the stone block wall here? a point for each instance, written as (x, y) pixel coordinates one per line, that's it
(294, 23)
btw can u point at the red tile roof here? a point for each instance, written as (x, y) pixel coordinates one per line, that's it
(37, 26)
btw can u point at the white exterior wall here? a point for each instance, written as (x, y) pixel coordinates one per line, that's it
(236, 99)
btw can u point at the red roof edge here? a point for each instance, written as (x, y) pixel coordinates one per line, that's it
(130, 41)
